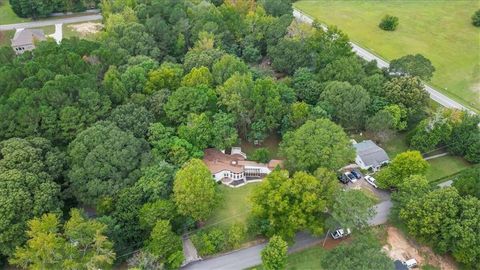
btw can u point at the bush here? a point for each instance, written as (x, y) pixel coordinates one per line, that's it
(261, 155)
(216, 239)
(389, 23)
(476, 18)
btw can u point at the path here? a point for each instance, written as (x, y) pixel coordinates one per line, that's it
(363, 53)
(58, 35)
(250, 257)
(436, 156)
(36, 24)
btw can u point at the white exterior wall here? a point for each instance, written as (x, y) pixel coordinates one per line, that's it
(264, 170)
(360, 163)
(228, 174)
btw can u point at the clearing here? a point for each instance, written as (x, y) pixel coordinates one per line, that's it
(234, 206)
(445, 166)
(398, 247)
(87, 30)
(440, 30)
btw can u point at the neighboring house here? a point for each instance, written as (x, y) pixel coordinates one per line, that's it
(370, 156)
(24, 40)
(234, 169)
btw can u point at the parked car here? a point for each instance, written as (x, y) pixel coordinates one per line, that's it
(340, 233)
(351, 177)
(357, 174)
(343, 178)
(412, 263)
(371, 181)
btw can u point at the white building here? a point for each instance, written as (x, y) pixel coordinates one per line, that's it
(233, 169)
(370, 156)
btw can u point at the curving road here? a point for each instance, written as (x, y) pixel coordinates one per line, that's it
(363, 53)
(250, 257)
(47, 22)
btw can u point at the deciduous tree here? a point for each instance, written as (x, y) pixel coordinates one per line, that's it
(413, 65)
(402, 166)
(274, 255)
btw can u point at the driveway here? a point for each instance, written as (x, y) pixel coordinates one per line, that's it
(363, 53)
(250, 257)
(36, 24)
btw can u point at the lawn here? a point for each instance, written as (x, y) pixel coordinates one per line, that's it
(308, 259)
(440, 30)
(7, 16)
(445, 166)
(234, 206)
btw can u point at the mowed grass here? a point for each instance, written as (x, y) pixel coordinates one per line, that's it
(308, 259)
(234, 206)
(445, 166)
(440, 30)
(7, 16)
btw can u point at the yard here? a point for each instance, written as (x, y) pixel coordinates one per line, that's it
(308, 259)
(395, 145)
(440, 30)
(234, 206)
(7, 16)
(445, 166)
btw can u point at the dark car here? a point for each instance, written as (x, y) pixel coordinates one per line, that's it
(342, 178)
(357, 174)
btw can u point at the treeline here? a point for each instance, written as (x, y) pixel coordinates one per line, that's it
(43, 8)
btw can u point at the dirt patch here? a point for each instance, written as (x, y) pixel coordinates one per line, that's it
(330, 243)
(87, 28)
(398, 247)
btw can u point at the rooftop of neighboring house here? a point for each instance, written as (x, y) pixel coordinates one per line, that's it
(218, 161)
(370, 153)
(27, 37)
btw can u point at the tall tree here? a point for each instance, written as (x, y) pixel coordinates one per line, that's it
(186, 100)
(165, 245)
(274, 255)
(132, 118)
(79, 244)
(352, 209)
(402, 166)
(194, 190)
(103, 160)
(413, 65)
(319, 143)
(468, 182)
(408, 92)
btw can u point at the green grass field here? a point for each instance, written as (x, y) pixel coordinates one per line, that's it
(308, 259)
(7, 16)
(445, 166)
(440, 30)
(234, 206)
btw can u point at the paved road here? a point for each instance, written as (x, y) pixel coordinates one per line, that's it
(434, 94)
(42, 23)
(250, 257)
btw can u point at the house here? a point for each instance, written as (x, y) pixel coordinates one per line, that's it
(370, 156)
(24, 40)
(234, 169)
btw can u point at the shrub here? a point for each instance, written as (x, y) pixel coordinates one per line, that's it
(216, 239)
(389, 23)
(261, 155)
(476, 18)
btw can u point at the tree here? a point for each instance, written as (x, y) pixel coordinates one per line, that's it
(465, 138)
(476, 18)
(228, 65)
(277, 8)
(364, 252)
(156, 181)
(286, 205)
(186, 100)
(197, 130)
(346, 103)
(26, 9)
(345, 69)
(114, 86)
(468, 182)
(165, 245)
(413, 187)
(319, 143)
(274, 255)
(198, 76)
(429, 133)
(413, 65)
(224, 131)
(132, 118)
(261, 155)
(389, 23)
(167, 76)
(28, 171)
(381, 124)
(194, 183)
(103, 160)
(288, 55)
(352, 209)
(408, 92)
(402, 166)
(428, 217)
(466, 245)
(306, 87)
(79, 244)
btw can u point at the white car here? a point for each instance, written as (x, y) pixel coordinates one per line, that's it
(412, 263)
(340, 233)
(351, 177)
(370, 180)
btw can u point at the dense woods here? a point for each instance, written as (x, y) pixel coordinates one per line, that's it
(101, 141)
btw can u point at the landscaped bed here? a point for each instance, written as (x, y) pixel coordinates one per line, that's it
(440, 30)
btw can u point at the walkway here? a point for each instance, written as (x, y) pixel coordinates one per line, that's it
(363, 53)
(36, 24)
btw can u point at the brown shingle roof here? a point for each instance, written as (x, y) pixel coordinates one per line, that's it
(217, 161)
(27, 37)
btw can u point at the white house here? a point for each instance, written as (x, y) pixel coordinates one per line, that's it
(370, 156)
(234, 169)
